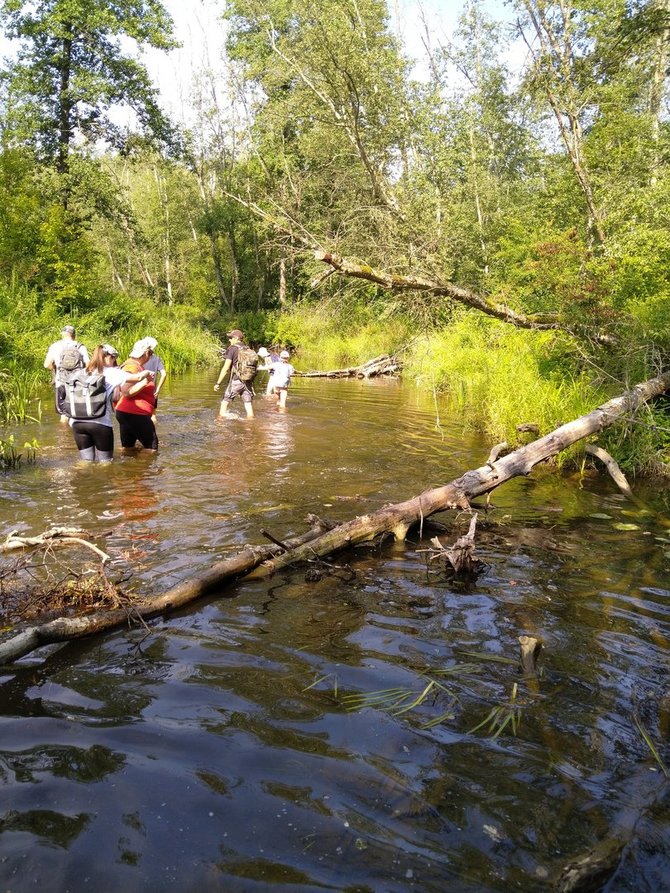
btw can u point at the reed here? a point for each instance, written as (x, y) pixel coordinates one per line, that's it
(19, 395)
(11, 458)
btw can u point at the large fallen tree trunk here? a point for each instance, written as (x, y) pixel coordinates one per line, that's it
(383, 365)
(393, 520)
(397, 519)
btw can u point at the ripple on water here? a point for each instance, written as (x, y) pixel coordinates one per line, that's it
(268, 735)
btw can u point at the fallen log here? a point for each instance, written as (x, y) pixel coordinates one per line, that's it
(382, 365)
(62, 629)
(395, 520)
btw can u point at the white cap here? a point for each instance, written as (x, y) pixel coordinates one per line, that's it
(139, 349)
(150, 342)
(284, 355)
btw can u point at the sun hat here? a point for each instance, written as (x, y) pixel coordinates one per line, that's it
(109, 350)
(68, 330)
(284, 355)
(139, 349)
(150, 342)
(236, 333)
(263, 352)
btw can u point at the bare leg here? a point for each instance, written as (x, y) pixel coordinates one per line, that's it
(283, 394)
(250, 409)
(223, 409)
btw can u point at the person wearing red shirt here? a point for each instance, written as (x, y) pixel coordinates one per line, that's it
(135, 409)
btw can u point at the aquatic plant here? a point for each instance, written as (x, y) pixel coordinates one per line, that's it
(11, 458)
(652, 747)
(18, 396)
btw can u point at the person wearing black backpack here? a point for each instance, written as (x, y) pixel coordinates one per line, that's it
(63, 357)
(242, 362)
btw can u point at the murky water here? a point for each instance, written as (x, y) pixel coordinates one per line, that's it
(228, 750)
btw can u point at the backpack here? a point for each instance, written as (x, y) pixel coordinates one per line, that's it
(81, 397)
(246, 365)
(70, 359)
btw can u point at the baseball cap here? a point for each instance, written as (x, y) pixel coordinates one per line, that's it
(150, 342)
(67, 330)
(139, 348)
(284, 355)
(109, 350)
(236, 333)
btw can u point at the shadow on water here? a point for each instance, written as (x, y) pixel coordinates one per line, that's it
(251, 743)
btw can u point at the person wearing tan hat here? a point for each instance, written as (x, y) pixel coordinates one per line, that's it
(236, 387)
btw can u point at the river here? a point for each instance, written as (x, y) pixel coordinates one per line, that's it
(249, 743)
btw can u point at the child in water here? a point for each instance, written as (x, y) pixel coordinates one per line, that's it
(282, 371)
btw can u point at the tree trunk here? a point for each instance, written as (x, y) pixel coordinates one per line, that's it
(383, 365)
(393, 520)
(65, 105)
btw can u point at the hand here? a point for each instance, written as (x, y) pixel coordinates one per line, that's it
(216, 386)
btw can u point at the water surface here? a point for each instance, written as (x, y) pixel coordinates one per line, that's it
(222, 751)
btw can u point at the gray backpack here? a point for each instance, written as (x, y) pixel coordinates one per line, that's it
(80, 396)
(70, 359)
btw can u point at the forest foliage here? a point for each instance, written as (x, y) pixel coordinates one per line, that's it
(501, 214)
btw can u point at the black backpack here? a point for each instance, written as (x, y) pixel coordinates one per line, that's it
(80, 396)
(246, 365)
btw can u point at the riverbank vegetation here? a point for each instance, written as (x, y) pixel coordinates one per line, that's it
(497, 213)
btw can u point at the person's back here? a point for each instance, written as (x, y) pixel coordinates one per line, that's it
(65, 355)
(63, 358)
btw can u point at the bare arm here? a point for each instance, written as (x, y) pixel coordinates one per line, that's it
(162, 375)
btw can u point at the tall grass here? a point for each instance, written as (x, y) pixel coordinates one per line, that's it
(498, 377)
(19, 395)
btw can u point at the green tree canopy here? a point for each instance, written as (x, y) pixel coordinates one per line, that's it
(72, 68)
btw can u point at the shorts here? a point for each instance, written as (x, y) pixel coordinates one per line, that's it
(238, 388)
(93, 434)
(133, 427)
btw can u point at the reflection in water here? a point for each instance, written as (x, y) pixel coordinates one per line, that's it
(222, 753)
(57, 829)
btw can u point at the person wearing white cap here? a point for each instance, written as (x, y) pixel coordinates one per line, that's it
(157, 366)
(52, 360)
(135, 410)
(154, 363)
(281, 377)
(268, 359)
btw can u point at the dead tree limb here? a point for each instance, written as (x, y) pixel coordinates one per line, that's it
(612, 467)
(393, 520)
(355, 269)
(53, 537)
(383, 365)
